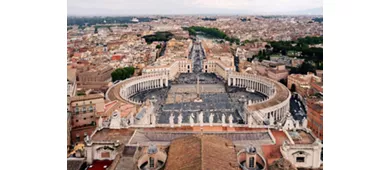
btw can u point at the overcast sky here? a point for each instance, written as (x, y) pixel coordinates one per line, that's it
(168, 7)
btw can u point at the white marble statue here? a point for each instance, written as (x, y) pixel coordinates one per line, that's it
(100, 123)
(271, 120)
(131, 119)
(200, 118)
(124, 123)
(296, 124)
(250, 120)
(289, 124)
(231, 120)
(211, 119)
(304, 123)
(179, 119)
(223, 120)
(171, 120)
(115, 120)
(153, 119)
(192, 117)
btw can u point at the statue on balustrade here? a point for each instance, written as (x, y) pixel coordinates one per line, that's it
(200, 118)
(250, 120)
(131, 119)
(124, 122)
(180, 119)
(231, 120)
(100, 123)
(223, 119)
(211, 119)
(271, 120)
(304, 123)
(171, 120)
(296, 124)
(192, 117)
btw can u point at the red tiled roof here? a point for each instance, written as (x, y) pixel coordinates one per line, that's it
(99, 165)
(205, 153)
(272, 152)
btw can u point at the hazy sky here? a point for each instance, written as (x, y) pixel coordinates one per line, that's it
(166, 7)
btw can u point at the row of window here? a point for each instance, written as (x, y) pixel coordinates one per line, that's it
(84, 118)
(83, 109)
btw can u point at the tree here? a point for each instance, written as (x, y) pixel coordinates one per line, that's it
(283, 81)
(284, 52)
(115, 76)
(158, 46)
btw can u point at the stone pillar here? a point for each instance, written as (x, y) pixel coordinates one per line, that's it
(89, 154)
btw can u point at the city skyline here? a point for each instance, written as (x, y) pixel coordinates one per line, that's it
(196, 7)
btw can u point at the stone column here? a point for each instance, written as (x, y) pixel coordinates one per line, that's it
(89, 154)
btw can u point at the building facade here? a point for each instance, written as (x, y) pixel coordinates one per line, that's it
(83, 111)
(101, 73)
(315, 116)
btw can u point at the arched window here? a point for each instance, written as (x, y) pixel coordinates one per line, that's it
(251, 162)
(151, 162)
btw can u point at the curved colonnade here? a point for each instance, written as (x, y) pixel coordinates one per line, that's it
(276, 106)
(129, 87)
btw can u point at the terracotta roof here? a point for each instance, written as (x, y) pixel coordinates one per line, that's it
(123, 135)
(202, 152)
(272, 152)
(87, 97)
(282, 164)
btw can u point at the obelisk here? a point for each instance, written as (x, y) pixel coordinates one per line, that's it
(198, 99)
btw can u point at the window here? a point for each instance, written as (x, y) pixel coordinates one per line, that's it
(84, 109)
(251, 162)
(105, 155)
(76, 110)
(151, 162)
(90, 108)
(85, 118)
(77, 120)
(300, 159)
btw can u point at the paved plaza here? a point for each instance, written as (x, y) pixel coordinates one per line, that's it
(217, 99)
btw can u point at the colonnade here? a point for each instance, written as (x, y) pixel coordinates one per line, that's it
(142, 83)
(275, 107)
(257, 84)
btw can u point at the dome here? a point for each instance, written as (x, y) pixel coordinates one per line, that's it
(251, 149)
(152, 149)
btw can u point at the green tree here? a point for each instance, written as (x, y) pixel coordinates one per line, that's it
(115, 76)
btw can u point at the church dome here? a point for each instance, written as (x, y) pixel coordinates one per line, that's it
(251, 149)
(152, 149)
